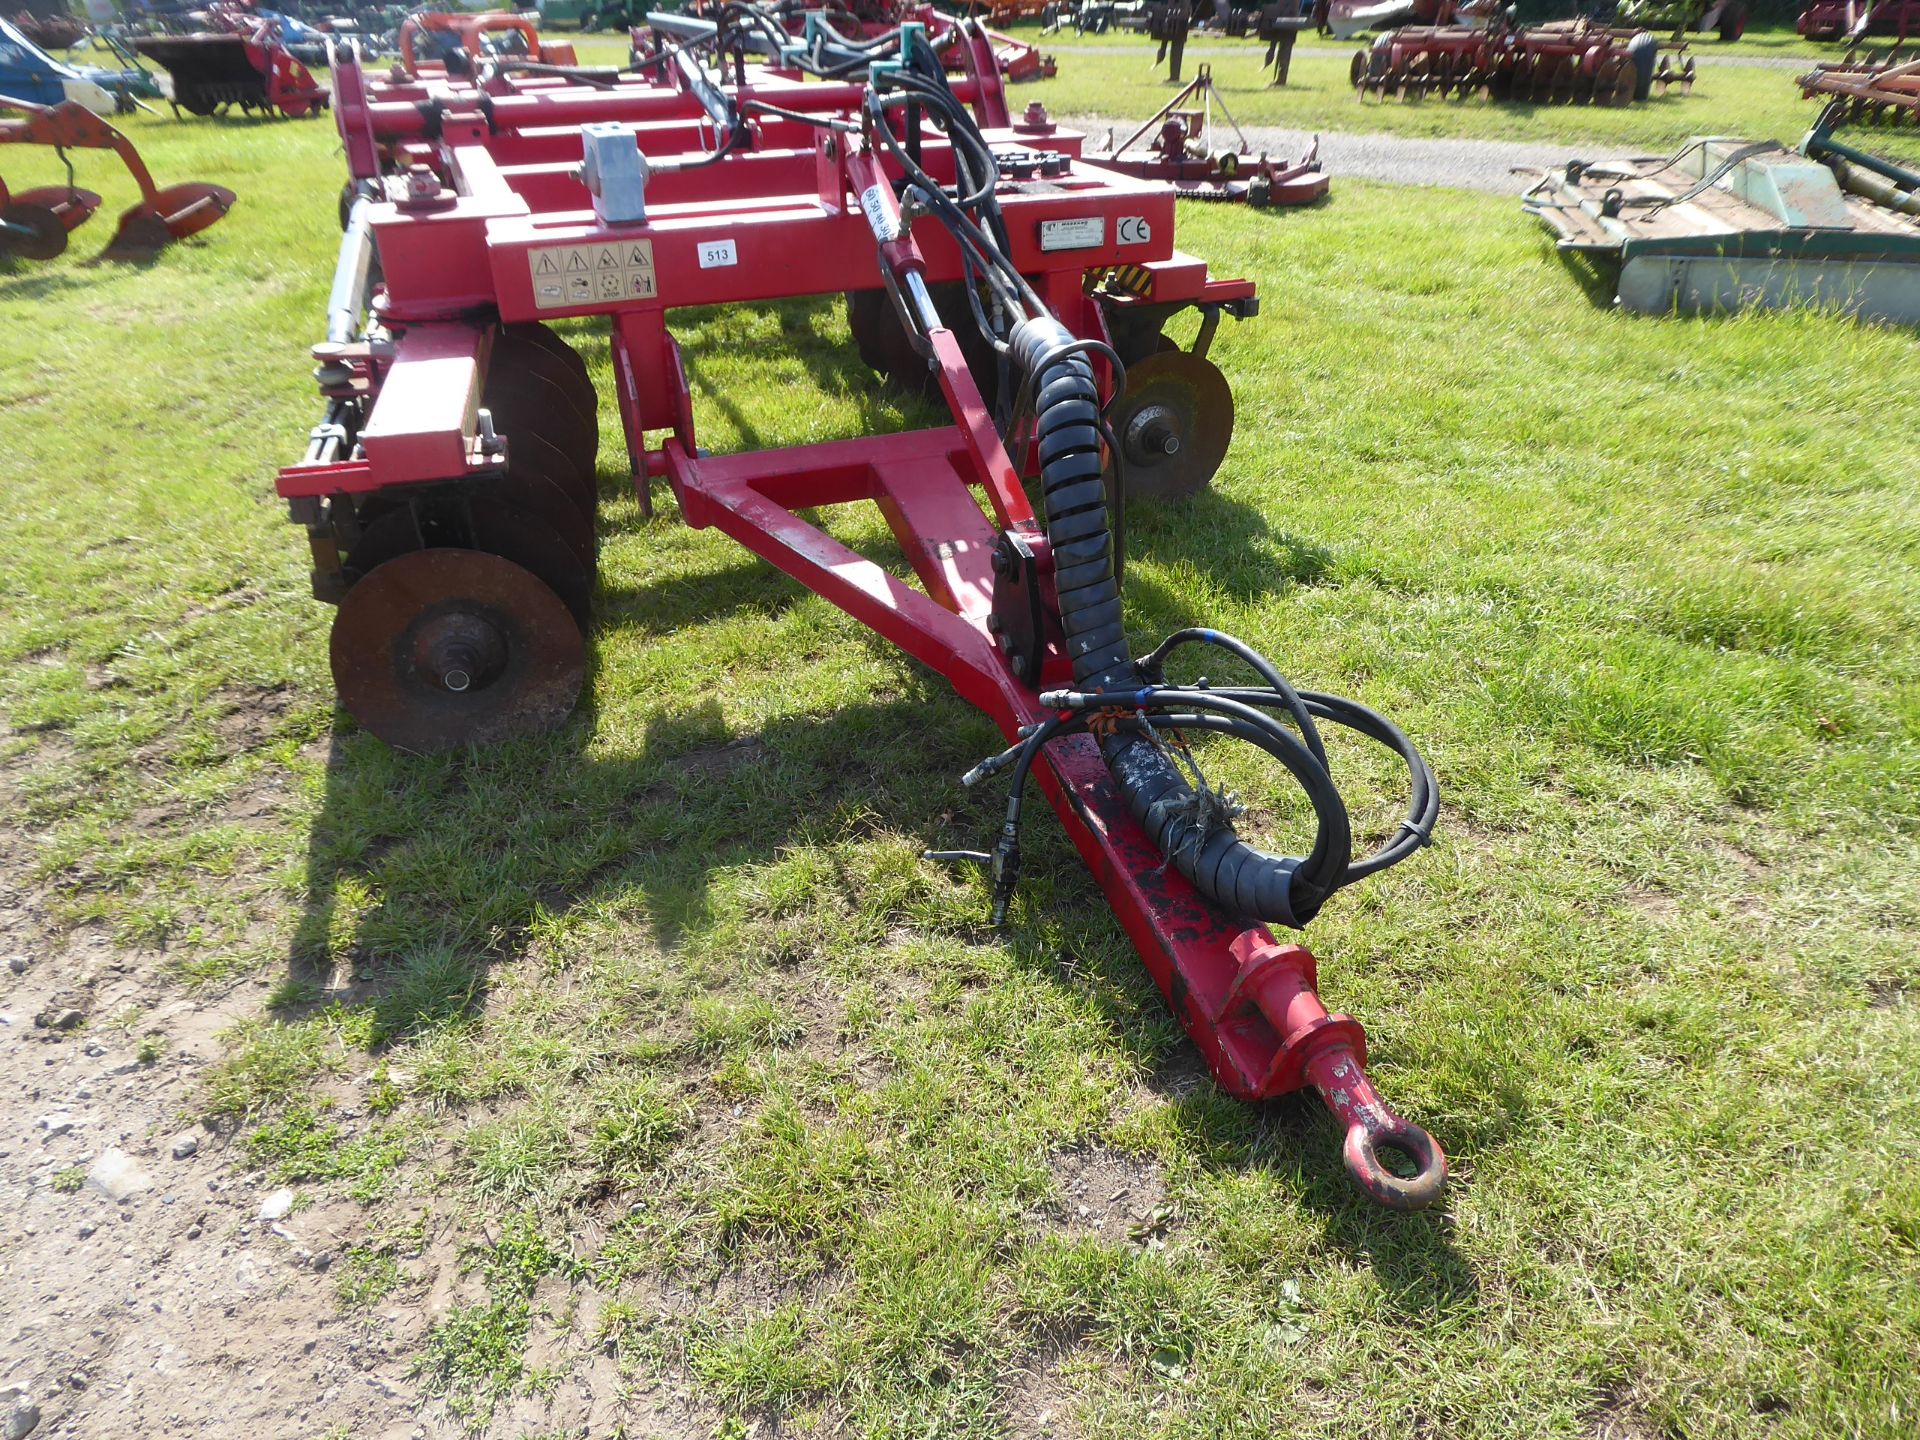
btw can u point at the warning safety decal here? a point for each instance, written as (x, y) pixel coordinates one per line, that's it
(568, 275)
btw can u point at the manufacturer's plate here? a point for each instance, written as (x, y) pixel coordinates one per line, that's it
(1079, 234)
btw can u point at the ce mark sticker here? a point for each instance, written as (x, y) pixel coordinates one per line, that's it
(1133, 230)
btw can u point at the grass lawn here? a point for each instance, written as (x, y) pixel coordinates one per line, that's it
(1113, 76)
(663, 1014)
(1120, 79)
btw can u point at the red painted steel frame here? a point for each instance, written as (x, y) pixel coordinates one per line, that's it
(787, 217)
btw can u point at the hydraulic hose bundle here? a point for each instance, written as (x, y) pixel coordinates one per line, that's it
(1138, 717)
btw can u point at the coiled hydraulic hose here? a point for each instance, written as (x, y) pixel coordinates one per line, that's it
(1128, 705)
(1126, 702)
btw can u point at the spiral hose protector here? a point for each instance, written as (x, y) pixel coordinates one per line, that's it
(1229, 872)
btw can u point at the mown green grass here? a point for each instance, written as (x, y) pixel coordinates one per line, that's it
(1113, 77)
(667, 1007)
(1120, 80)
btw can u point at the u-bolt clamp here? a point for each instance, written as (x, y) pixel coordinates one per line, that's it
(1329, 1052)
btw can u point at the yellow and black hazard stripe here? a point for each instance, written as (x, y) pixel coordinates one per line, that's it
(1135, 280)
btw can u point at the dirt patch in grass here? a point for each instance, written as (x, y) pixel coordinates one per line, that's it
(154, 1291)
(1886, 994)
(1038, 1406)
(1656, 905)
(252, 713)
(1103, 1192)
(1615, 1416)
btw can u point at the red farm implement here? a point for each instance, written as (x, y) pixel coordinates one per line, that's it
(1564, 63)
(1866, 92)
(440, 44)
(238, 60)
(1855, 20)
(35, 223)
(1181, 145)
(852, 34)
(449, 502)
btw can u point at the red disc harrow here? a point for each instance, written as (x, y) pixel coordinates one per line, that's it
(1565, 63)
(448, 496)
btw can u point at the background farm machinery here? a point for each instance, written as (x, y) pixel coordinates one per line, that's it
(449, 499)
(1563, 63)
(34, 224)
(850, 32)
(1181, 144)
(1168, 23)
(1851, 21)
(1725, 19)
(239, 59)
(1725, 225)
(28, 72)
(1858, 91)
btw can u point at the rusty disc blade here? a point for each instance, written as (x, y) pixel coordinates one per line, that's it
(483, 524)
(521, 489)
(534, 452)
(442, 648)
(541, 433)
(540, 430)
(883, 344)
(33, 231)
(1174, 424)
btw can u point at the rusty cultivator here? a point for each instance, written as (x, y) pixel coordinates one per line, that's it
(35, 223)
(448, 496)
(1866, 91)
(1186, 150)
(1565, 63)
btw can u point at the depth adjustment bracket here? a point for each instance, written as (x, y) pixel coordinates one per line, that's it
(1022, 560)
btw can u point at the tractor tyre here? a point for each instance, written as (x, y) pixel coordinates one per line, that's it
(1643, 51)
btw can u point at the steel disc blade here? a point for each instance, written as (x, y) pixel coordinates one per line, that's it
(524, 491)
(33, 231)
(442, 648)
(560, 350)
(530, 412)
(501, 530)
(530, 452)
(549, 501)
(1174, 424)
(540, 426)
(548, 380)
(883, 343)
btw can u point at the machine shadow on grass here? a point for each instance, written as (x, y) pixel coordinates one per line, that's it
(424, 873)
(698, 798)
(1598, 280)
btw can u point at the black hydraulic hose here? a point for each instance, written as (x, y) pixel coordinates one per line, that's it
(1234, 875)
